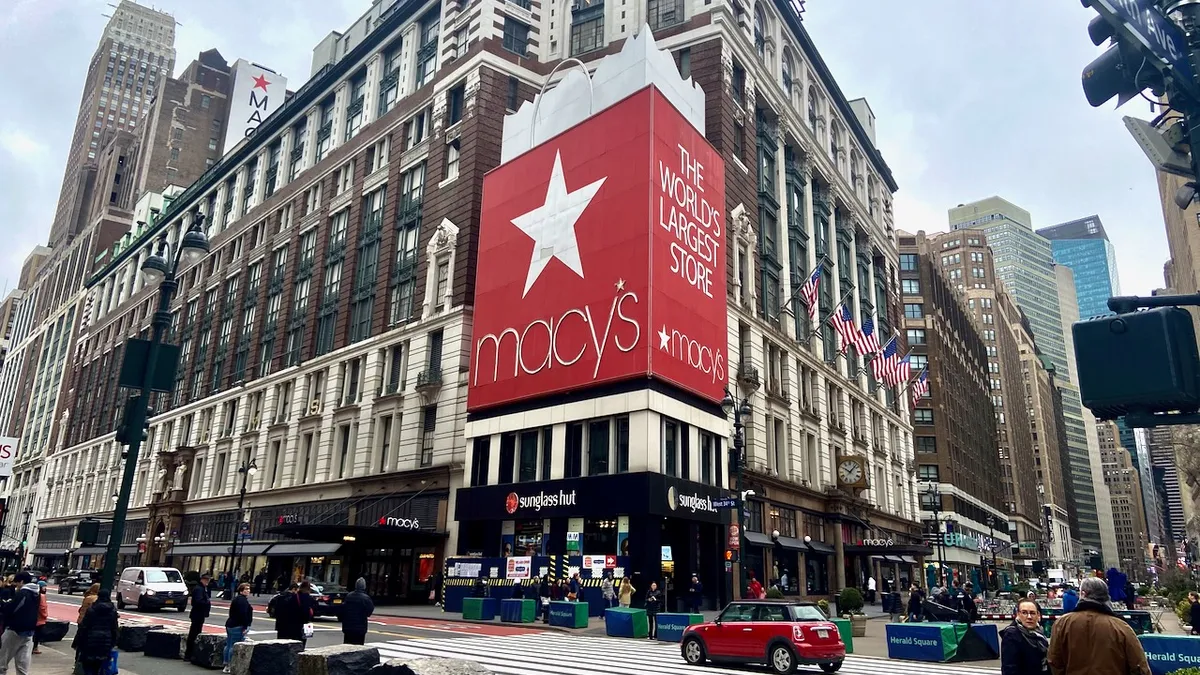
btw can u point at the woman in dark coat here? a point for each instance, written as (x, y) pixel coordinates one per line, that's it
(1194, 612)
(96, 637)
(1023, 646)
(916, 604)
(654, 605)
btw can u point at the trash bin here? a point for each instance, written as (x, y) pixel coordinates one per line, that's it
(886, 602)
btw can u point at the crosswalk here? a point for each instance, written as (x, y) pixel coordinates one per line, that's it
(556, 654)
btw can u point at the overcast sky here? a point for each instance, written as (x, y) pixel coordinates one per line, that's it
(973, 98)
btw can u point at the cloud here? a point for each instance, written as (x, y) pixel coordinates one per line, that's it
(20, 145)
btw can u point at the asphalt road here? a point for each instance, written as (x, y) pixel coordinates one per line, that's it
(328, 632)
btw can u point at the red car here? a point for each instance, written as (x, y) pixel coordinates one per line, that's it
(783, 635)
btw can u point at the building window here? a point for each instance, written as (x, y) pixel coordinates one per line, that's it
(927, 472)
(428, 425)
(918, 362)
(738, 84)
(670, 447)
(427, 54)
(587, 36)
(910, 286)
(664, 13)
(923, 416)
(452, 155)
(454, 104)
(205, 101)
(516, 36)
(528, 464)
(925, 444)
(598, 447)
(514, 94)
(914, 310)
(908, 262)
(915, 336)
(480, 454)
(574, 451)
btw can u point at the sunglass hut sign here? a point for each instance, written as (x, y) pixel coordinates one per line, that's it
(692, 502)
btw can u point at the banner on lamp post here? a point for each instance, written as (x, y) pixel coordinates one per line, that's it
(8, 453)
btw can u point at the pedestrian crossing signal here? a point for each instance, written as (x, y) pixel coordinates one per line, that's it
(731, 555)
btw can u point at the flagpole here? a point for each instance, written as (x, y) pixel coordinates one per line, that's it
(812, 330)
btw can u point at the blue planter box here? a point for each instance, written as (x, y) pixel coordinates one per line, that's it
(518, 611)
(671, 626)
(1168, 653)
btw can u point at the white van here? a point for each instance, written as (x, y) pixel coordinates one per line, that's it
(152, 588)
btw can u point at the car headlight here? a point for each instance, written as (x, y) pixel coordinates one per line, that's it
(150, 591)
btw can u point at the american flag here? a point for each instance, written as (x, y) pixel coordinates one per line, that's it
(867, 340)
(809, 292)
(885, 362)
(920, 387)
(843, 323)
(901, 371)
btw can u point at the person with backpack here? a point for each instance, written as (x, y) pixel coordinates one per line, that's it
(95, 638)
(20, 621)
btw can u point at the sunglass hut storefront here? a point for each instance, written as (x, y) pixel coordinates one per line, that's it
(647, 526)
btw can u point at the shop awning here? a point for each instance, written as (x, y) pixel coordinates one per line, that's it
(216, 549)
(89, 550)
(48, 551)
(304, 548)
(908, 559)
(820, 547)
(792, 544)
(757, 538)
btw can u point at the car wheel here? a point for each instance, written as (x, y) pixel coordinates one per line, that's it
(831, 667)
(782, 660)
(693, 651)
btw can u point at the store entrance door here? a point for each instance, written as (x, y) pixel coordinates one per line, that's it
(388, 573)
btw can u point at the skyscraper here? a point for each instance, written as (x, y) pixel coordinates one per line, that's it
(136, 52)
(1025, 265)
(1083, 246)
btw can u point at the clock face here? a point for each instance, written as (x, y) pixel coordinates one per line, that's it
(849, 471)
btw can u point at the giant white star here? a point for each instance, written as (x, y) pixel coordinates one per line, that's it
(552, 225)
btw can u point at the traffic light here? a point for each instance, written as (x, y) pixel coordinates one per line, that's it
(87, 532)
(1156, 371)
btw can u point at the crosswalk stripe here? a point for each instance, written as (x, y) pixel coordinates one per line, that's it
(555, 654)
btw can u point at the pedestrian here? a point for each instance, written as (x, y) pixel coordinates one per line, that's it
(435, 590)
(871, 590)
(916, 604)
(201, 606)
(290, 615)
(543, 606)
(20, 622)
(608, 590)
(1023, 646)
(480, 590)
(282, 584)
(754, 590)
(355, 610)
(1070, 598)
(89, 597)
(783, 581)
(966, 603)
(627, 591)
(237, 626)
(43, 616)
(695, 595)
(1194, 612)
(518, 591)
(576, 592)
(260, 580)
(653, 607)
(1093, 640)
(95, 638)
(564, 591)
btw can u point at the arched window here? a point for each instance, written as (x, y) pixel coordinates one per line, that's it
(760, 37)
(787, 75)
(812, 108)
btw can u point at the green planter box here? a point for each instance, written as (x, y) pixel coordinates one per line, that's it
(518, 611)
(569, 614)
(480, 609)
(626, 622)
(846, 633)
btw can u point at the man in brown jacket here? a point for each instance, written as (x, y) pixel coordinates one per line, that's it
(1092, 641)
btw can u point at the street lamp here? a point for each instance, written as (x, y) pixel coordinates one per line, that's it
(115, 497)
(730, 405)
(247, 469)
(161, 268)
(936, 491)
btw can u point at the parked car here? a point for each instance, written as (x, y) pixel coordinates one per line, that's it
(152, 588)
(329, 598)
(78, 581)
(782, 635)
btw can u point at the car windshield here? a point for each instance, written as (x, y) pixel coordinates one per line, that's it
(807, 613)
(163, 577)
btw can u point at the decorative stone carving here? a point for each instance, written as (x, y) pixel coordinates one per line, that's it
(444, 237)
(742, 227)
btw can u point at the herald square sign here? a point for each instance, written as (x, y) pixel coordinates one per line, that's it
(601, 259)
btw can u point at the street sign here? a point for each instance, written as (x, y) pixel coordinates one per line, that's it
(1156, 33)
(735, 540)
(726, 503)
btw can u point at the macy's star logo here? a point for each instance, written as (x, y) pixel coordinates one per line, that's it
(260, 82)
(552, 225)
